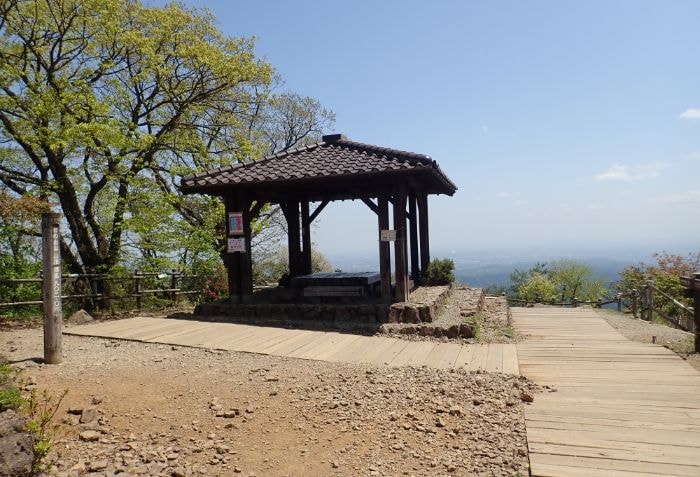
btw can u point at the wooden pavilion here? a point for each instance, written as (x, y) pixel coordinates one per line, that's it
(333, 169)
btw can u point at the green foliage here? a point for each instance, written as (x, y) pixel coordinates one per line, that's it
(439, 272)
(559, 280)
(271, 267)
(41, 410)
(105, 104)
(537, 287)
(665, 274)
(10, 395)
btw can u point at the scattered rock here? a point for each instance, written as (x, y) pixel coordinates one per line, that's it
(80, 317)
(16, 445)
(89, 436)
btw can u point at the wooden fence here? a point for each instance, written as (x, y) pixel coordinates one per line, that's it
(651, 302)
(93, 286)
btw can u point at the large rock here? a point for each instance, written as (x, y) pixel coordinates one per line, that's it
(80, 317)
(16, 446)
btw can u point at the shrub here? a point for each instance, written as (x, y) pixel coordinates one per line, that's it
(439, 272)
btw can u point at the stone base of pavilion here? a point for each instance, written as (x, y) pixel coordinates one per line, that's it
(279, 306)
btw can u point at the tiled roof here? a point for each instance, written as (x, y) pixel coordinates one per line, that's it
(335, 156)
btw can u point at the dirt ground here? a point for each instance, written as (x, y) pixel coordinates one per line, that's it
(175, 411)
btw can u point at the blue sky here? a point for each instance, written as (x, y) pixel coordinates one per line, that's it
(568, 126)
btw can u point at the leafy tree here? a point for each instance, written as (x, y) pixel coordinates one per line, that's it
(440, 272)
(665, 274)
(270, 268)
(520, 277)
(537, 287)
(576, 280)
(104, 104)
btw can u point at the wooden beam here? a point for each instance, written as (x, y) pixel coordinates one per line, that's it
(51, 288)
(400, 252)
(255, 209)
(384, 249)
(318, 210)
(305, 238)
(423, 231)
(413, 230)
(373, 207)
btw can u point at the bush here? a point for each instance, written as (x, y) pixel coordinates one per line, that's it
(439, 272)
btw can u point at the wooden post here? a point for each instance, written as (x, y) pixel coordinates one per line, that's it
(635, 297)
(247, 256)
(384, 250)
(649, 301)
(174, 285)
(618, 297)
(423, 231)
(696, 309)
(291, 213)
(400, 254)
(574, 302)
(413, 230)
(305, 238)
(51, 288)
(137, 288)
(232, 260)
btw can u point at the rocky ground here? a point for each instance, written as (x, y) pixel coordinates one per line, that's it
(643, 331)
(160, 410)
(491, 324)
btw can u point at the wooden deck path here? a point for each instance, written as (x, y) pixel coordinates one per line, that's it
(621, 408)
(304, 344)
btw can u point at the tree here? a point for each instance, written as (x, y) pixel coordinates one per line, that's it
(520, 277)
(665, 274)
(99, 97)
(104, 104)
(271, 268)
(575, 280)
(537, 287)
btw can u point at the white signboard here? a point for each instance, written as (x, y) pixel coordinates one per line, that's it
(236, 245)
(387, 235)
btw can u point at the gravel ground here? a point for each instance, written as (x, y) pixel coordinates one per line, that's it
(174, 411)
(639, 330)
(495, 325)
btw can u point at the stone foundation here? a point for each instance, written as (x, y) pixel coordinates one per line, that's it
(422, 306)
(292, 314)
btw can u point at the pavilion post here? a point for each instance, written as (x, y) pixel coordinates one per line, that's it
(305, 238)
(423, 231)
(400, 253)
(293, 237)
(246, 257)
(384, 249)
(413, 230)
(232, 261)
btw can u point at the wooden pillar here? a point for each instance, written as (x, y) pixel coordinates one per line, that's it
(232, 261)
(400, 252)
(413, 231)
(384, 251)
(305, 238)
(293, 237)
(51, 288)
(423, 231)
(247, 256)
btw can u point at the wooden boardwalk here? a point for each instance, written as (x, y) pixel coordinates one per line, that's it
(304, 344)
(621, 408)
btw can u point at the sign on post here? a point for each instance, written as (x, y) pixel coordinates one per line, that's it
(51, 288)
(236, 245)
(387, 235)
(235, 223)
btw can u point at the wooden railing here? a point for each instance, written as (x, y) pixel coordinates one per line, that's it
(169, 285)
(645, 305)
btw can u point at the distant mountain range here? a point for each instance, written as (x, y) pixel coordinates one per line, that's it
(490, 270)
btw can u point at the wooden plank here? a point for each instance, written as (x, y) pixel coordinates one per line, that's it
(481, 353)
(494, 359)
(423, 350)
(465, 356)
(510, 360)
(391, 352)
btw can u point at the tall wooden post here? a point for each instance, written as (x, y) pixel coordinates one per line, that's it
(400, 253)
(305, 238)
(649, 301)
(413, 230)
(291, 213)
(232, 260)
(423, 231)
(696, 309)
(51, 288)
(384, 250)
(246, 257)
